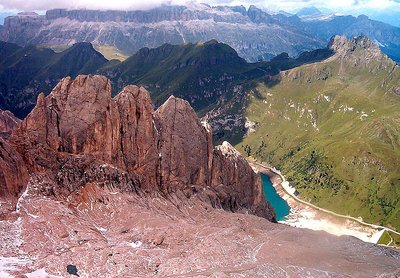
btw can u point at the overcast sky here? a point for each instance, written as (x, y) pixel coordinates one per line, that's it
(290, 5)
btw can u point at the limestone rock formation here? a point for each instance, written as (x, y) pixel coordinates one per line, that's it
(129, 31)
(13, 176)
(13, 173)
(361, 51)
(184, 146)
(79, 135)
(7, 123)
(234, 180)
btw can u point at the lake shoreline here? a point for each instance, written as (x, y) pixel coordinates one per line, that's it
(304, 216)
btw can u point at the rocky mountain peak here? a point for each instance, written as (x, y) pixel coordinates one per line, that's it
(360, 51)
(79, 136)
(365, 43)
(72, 108)
(338, 43)
(308, 11)
(343, 44)
(184, 146)
(259, 16)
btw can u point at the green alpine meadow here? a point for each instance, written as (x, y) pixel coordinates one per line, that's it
(333, 127)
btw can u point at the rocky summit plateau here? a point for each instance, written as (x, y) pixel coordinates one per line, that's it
(97, 186)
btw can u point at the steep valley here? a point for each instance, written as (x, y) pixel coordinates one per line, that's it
(333, 128)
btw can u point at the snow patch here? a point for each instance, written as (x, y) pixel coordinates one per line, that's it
(135, 244)
(105, 165)
(22, 197)
(378, 43)
(206, 125)
(32, 215)
(101, 229)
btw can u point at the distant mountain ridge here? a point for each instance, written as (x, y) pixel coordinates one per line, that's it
(209, 75)
(307, 11)
(27, 71)
(254, 33)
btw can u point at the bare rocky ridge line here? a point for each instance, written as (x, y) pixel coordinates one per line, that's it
(79, 135)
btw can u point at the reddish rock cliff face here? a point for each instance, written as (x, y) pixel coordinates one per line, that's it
(137, 135)
(184, 147)
(235, 182)
(13, 176)
(79, 135)
(7, 123)
(13, 173)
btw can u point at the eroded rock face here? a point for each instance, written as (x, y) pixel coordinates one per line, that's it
(13, 173)
(80, 118)
(7, 123)
(79, 135)
(184, 146)
(76, 118)
(235, 182)
(137, 135)
(13, 176)
(360, 51)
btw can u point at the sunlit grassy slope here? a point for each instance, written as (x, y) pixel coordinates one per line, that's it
(111, 53)
(333, 127)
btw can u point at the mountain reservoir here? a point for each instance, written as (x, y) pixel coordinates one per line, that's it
(281, 207)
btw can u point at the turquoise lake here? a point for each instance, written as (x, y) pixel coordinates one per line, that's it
(280, 206)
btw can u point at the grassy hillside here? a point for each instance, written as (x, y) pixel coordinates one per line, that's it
(333, 127)
(210, 75)
(111, 53)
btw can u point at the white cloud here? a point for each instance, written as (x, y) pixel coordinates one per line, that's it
(335, 5)
(84, 4)
(288, 5)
